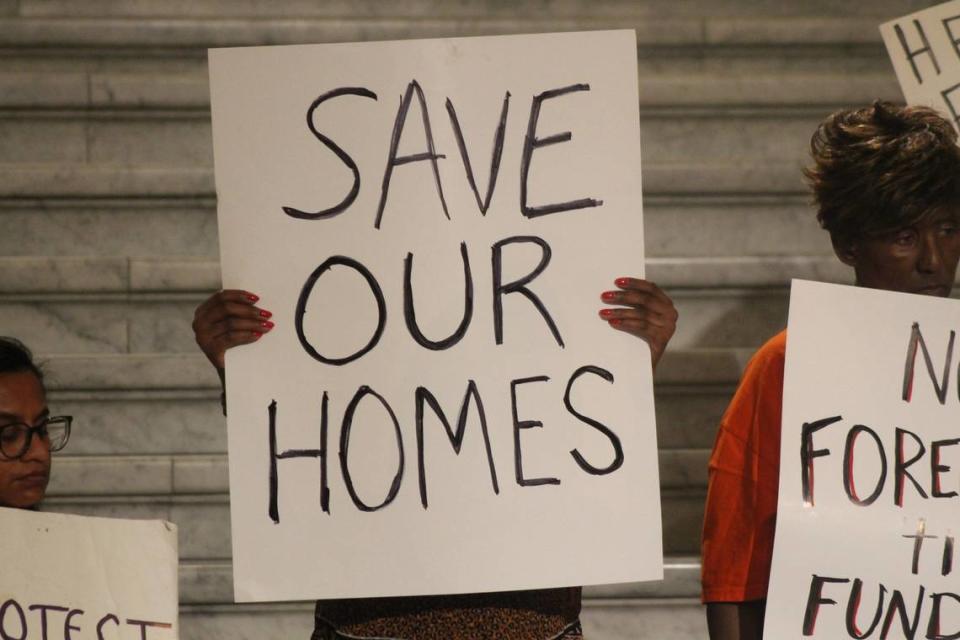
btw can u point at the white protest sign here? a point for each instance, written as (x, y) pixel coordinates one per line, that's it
(925, 50)
(66, 577)
(439, 408)
(868, 502)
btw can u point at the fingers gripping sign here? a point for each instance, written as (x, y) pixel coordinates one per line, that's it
(227, 319)
(643, 310)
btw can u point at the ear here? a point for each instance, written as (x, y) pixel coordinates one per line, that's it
(846, 250)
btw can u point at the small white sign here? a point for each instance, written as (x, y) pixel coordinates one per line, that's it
(869, 502)
(64, 576)
(439, 408)
(925, 50)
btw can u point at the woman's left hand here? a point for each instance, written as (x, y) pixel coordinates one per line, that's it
(644, 310)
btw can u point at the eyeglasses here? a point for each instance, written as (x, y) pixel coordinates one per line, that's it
(15, 438)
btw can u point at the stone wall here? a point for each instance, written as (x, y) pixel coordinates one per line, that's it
(108, 242)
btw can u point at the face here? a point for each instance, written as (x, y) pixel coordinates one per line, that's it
(921, 258)
(23, 482)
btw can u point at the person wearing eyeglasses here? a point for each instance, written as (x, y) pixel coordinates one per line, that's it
(28, 433)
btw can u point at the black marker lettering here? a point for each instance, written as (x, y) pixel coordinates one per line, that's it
(954, 40)
(104, 620)
(941, 387)
(605, 430)
(43, 608)
(393, 160)
(273, 509)
(324, 429)
(936, 468)
(918, 539)
(519, 286)
(11, 603)
(345, 429)
(897, 605)
(423, 396)
(524, 424)
(933, 628)
(815, 599)
(946, 566)
(410, 315)
(68, 626)
(916, 52)
(340, 153)
(484, 203)
(848, 457)
(853, 607)
(531, 142)
(808, 454)
(301, 309)
(900, 466)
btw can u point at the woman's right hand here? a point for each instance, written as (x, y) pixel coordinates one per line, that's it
(226, 319)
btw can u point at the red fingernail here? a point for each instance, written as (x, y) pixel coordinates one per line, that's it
(615, 322)
(621, 282)
(267, 325)
(252, 298)
(606, 313)
(257, 335)
(266, 314)
(609, 295)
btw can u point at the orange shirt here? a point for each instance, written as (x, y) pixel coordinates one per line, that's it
(741, 510)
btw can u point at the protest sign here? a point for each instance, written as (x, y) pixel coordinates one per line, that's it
(868, 501)
(66, 577)
(925, 50)
(439, 408)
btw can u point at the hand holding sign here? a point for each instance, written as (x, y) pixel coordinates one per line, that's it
(228, 319)
(649, 313)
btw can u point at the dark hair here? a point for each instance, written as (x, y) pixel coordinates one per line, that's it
(882, 167)
(16, 358)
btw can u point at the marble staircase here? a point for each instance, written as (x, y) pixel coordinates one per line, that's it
(107, 209)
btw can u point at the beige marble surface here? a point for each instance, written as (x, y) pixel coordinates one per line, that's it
(106, 181)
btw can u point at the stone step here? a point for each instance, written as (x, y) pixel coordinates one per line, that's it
(106, 323)
(670, 137)
(173, 372)
(45, 181)
(60, 94)
(204, 520)
(181, 475)
(137, 423)
(190, 488)
(110, 227)
(35, 275)
(246, 622)
(188, 422)
(187, 226)
(179, 34)
(680, 619)
(416, 9)
(132, 416)
(211, 582)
